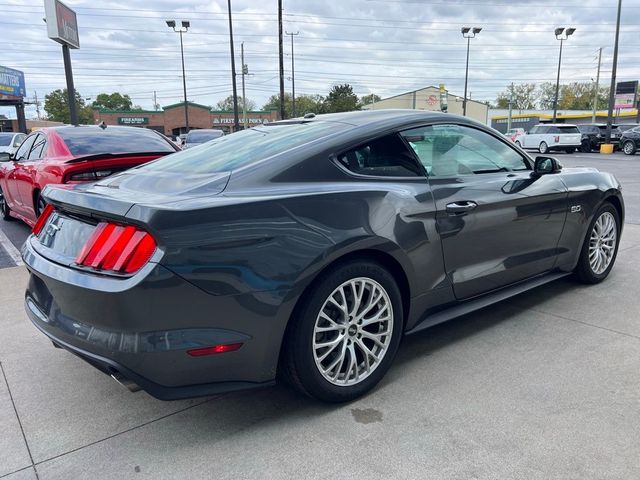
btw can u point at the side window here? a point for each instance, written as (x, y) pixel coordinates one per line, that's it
(384, 157)
(39, 147)
(23, 152)
(534, 130)
(450, 150)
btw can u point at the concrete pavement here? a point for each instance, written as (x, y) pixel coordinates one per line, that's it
(544, 385)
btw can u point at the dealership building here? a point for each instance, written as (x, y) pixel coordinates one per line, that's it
(436, 99)
(171, 119)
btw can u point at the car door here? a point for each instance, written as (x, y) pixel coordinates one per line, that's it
(528, 138)
(14, 172)
(498, 224)
(25, 177)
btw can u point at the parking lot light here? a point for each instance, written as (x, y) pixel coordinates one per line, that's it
(185, 24)
(561, 34)
(468, 33)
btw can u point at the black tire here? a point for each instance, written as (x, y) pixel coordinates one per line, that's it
(38, 204)
(629, 147)
(298, 361)
(586, 147)
(4, 208)
(543, 147)
(570, 150)
(583, 270)
(518, 144)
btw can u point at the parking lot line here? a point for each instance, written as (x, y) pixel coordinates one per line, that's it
(10, 249)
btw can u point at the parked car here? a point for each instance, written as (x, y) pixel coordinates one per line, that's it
(595, 134)
(200, 136)
(71, 155)
(306, 249)
(623, 127)
(630, 141)
(513, 133)
(548, 137)
(10, 141)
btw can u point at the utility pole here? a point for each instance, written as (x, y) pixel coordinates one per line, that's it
(597, 86)
(37, 106)
(293, 75)
(245, 71)
(155, 101)
(612, 89)
(236, 122)
(510, 107)
(281, 60)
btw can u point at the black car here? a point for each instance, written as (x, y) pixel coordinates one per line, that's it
(306, 249)
(630, 141)
(595, 134)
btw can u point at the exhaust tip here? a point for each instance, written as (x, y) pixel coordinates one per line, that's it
(125, 382)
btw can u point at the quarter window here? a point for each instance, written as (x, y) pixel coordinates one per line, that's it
(383, 157)
(39, 147)
(450, 150)
(23, 152)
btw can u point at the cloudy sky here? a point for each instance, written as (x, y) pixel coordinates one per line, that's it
(378, 46)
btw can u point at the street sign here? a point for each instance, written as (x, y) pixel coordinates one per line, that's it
(62, 23)
(11, 83)
(626, 94)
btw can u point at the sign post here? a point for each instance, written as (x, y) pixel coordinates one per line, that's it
(62, 27)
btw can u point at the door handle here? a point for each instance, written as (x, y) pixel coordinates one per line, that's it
(458, 208)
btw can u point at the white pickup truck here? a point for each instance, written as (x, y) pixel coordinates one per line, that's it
(554, 136)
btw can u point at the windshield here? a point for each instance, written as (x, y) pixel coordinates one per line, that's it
(5, 139)
(94, 141)
(243, 148)
(203, 136)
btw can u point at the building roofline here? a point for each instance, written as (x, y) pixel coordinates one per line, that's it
(181, 104)
(128, 112)
(424, 88)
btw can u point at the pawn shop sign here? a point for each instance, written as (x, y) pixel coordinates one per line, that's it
(62, 23)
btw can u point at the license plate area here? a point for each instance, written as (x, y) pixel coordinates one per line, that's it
(63, 236)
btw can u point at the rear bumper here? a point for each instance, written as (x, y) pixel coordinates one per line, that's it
(141, 327)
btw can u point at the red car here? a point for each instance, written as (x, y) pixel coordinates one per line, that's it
(71, 155)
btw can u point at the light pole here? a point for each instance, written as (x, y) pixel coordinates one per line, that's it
(468, 33)
(614, 68)
(183, 29)
(561, 34)
(293, 76)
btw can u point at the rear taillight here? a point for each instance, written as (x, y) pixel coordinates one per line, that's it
(117, 248)
(557, 138)
(42, 219)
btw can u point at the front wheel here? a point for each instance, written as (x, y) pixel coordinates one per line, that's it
(600, 245)
(543, 148)
(345, 333)
(629, 147)
(4, 207)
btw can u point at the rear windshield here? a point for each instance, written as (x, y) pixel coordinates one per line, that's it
(201, 137)
(5, 140)
(567, 130)
(94, 141)
(243, 148)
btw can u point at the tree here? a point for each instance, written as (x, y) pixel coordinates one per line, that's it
(341, 99)
(304, 104)
(226, 105)
(57, 107)
(112, 101)
(572, 96)
(368, 100)
(524, 97)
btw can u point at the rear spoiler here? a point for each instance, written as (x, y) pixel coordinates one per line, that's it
(101, 156)
(74, 200)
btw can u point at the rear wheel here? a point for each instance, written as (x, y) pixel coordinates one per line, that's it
(570, 150)
(4, 208)
(629, 147)
(345, 333)
(600, 245)
(543, 148)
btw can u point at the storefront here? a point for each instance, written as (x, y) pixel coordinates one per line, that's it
(171, 119)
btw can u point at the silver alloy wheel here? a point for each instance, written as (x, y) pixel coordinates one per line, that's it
(602, 243)
(628, 148)
(353, 331)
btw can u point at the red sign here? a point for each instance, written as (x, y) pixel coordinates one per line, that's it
(62, 23)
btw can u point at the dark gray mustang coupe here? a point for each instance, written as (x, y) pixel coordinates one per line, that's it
(306, 249)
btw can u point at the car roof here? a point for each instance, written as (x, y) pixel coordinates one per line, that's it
(367, 117)
(206, 130)
(558, 124)
(94, 128)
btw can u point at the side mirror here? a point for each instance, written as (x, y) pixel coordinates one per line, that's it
(546, 165)
(5, 157)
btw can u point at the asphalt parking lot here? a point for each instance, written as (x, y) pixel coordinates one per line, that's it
(544, 385)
